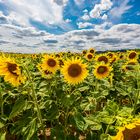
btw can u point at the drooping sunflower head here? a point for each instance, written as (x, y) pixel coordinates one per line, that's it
(11, 72)
(50, 63)
(102, 70)
(102, 58)
(129, 132)
(132, 55)
(130, 65)
(74, 71)
(89, 56)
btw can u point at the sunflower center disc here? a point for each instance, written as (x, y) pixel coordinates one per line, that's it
(74, 70)
(91, 51)
(84, 52)
(89, 56)
(51, 62)
(132, 55)
(132, 134)
(12, 68)
(103, 58)
(102, 69)
(110, 55)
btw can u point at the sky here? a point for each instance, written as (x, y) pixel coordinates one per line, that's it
(34, 26)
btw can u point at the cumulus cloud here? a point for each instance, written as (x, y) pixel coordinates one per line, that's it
(46, 11)
(61, 2)
(85, 16)
(98, 9)
(104, 17)
(84, 24)
(28, 40)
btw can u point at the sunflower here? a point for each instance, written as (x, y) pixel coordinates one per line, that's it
(50, 63)
(129, 132)
(110, 55)
(129, 65)
(114, 59)
(132, 55)
(58, 55)
(45, 73)
(102, 58)
(11, 72)
(102, 70)
(121, 56)
(91, 50)
(74, 71)
(84, 52)
(61, 63)
(89, 56)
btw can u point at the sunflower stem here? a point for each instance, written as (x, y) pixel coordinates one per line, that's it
(137, 93)
(36, 102)
(1, 103)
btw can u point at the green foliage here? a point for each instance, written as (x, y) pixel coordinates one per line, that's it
(92, 109)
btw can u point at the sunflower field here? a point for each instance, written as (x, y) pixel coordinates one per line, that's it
(70, 96)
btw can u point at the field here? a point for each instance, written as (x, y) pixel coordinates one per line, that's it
(70, 96)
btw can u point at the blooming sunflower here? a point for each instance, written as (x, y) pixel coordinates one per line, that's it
(11, 72)
(110, 55)
(91, 50)
(132, 55)
(114, 59)
(74, 71)
(89, 56)
(50, 63)
(102, 58)
(121, 56)
(84, 52)
(129, 132)
(61, 63)
(102, 70)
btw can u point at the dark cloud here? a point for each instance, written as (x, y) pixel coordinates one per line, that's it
(87, 32)
(3, 42)
(109, 40)
(3, 20)
(50, 41)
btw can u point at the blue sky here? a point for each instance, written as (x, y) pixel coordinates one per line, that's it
(38, 25)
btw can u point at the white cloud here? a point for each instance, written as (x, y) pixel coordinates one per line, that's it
(118, 11)
(28, 40)
(68, 20)
(84, 24)
(106, 4)
(61, 2)
(85, 16)
(99, 8)
(103, 26)
(46, 11)
(104, 17)
(79, 2)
